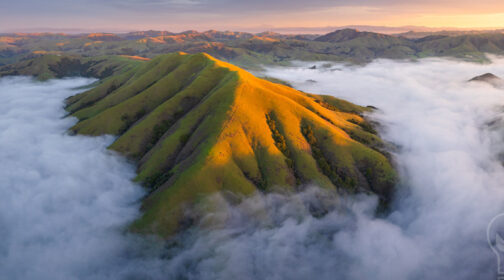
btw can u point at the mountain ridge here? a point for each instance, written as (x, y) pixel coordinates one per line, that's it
(251, 50)
(348, 34)
(197, 126)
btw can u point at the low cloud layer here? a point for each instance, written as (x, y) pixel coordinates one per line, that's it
(448, 158)
(64, 200)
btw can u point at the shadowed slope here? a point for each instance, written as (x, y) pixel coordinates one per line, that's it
(345, 35)
(489, 78)
(58, 66)
(198, 125)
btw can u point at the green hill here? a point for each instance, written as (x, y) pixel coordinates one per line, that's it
(57, 66)
(345, 35)
(197, 125)
(464, 46)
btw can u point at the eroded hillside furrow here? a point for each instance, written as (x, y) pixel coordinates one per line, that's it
(178, 154)
(144, 90)
(170, 86)
(192, 131)
(144, 135)
(281, 144)
(91, 97)
(188, 102)
(338, 176)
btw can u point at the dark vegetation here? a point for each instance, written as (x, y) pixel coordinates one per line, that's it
(129, 120)
(58, 66)
(68, 67)
(365, 125)
(338, 176)
(281, 144)
(155, 181)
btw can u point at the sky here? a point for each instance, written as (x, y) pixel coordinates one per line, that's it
(243, 15)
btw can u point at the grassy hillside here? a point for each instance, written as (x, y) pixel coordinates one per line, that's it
(367, 38)
(57, 66)
(197, 125)
(473, 47)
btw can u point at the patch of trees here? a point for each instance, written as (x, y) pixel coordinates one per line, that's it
(340, 177)
(281, 144)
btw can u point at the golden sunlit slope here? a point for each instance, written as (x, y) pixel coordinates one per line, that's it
(197, 125)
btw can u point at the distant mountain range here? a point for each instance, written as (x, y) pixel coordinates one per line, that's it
(372, 28)
(391, 30)
(253, 50)
(422, 34)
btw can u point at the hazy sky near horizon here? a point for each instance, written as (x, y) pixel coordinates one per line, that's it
(178, 15)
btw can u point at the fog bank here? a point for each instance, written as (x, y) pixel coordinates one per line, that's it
(64, 200)
(448, 159)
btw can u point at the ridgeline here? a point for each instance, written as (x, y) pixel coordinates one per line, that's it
(197, 126)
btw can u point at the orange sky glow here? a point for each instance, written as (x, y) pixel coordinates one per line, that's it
(258, 15)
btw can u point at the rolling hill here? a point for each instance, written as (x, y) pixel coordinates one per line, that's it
(490, 79)
(345, 35)
(196, 126)
(46, 67)
(253, 50)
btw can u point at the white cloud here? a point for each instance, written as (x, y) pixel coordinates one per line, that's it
(64, 200)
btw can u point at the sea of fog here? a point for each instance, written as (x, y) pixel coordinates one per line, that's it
(65, 201)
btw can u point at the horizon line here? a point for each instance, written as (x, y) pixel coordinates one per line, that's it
(286, 30)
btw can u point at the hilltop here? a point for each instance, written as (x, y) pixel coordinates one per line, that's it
(196, 126)
(489, 78)
(345, 35)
